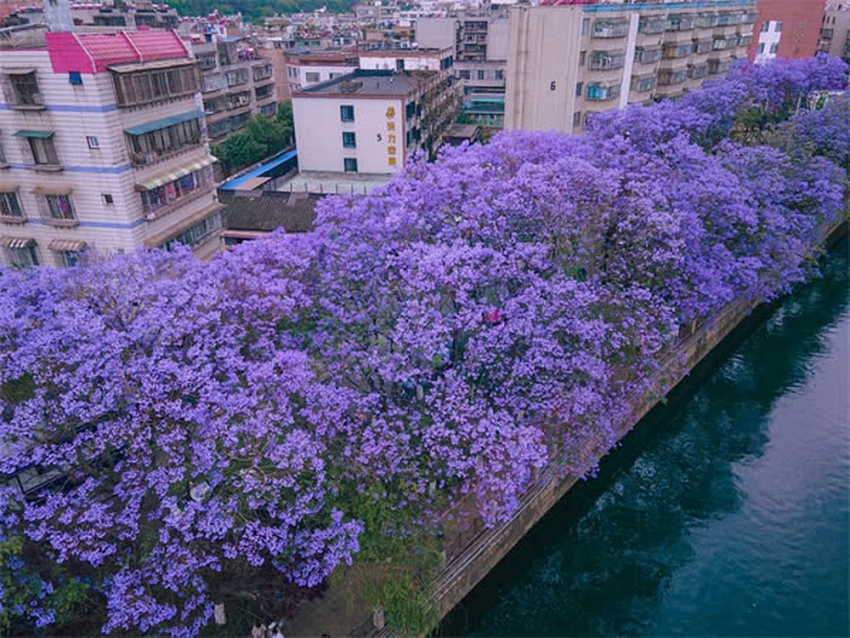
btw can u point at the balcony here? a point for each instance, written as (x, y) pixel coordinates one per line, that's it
(603, 60)
(675, 51)
(598, 92)
(610, 29)
(681, 22)
(652, 25)
(647, 56)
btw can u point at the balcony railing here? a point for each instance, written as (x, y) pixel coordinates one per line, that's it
(610, 29)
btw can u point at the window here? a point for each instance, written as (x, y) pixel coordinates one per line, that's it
(156, 201)
(106, 198)
(350, 165)
(146, 147)
(765, 26)
(399, 64)
(761, 47)
(43, 151)
(3, 162)
(346, 113)
(500, 74)
(264, 92)
(579, 88)
(581, 57)
(464, 74)
(349, 140)
(92, 141)
(777, 27)
(142, 87)
(59, 208)
(773, 48)
(311, 77)
(482, 75)
(69, 258)
(22, 253)
(585, 26)
(75, 78)
(602, 92)
(577, 118)
(24, 88)
(606, 60)
(9, 206)
(197, 234)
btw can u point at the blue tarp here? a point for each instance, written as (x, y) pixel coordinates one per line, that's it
(260, 171)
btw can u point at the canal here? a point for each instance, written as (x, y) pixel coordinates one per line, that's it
(725, 513)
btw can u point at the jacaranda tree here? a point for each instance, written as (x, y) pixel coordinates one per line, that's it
(172, 430)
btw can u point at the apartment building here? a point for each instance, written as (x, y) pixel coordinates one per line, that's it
(568, 62)
(481, 44)
(305, 68)
(372, 121)
(835, 32)
(237, 84)
(102, 147)
(787, 29)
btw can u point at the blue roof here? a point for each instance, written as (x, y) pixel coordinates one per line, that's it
(233, 184)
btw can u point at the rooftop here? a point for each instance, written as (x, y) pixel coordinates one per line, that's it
(370, 83)
(94, 52)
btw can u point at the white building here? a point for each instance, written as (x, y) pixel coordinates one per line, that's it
(372, 121)
(102, 146)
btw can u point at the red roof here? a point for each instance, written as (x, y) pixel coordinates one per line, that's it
(93, 52)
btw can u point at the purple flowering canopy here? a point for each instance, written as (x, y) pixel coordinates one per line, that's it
(169, 427)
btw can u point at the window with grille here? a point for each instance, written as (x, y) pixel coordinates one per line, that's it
(59, 208)
(10, 207)
(24, 90)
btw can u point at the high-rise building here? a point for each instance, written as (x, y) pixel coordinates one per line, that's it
(569, 62)
(786, 29)
(237, 84)
(102, 146)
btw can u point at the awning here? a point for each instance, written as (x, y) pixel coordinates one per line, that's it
(150, 66)
(52, 190)
(17, 242)
(19, 71)
(67, 245)
(40, 134)
(165, 178)
(8, 188)
(163, 123)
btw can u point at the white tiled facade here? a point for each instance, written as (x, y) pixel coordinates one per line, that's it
(769, 37)
(94, 191)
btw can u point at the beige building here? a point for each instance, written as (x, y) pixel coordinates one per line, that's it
(237, 84)
(101, 147)
(835, 32)
(372, 121)
(568, 62)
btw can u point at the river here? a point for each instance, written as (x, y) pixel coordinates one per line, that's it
(725, 513)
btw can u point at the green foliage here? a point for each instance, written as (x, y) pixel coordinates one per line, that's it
(256, 10)
(262, 138)
(19, 587)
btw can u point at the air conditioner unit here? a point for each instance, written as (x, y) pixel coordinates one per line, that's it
(150, 217)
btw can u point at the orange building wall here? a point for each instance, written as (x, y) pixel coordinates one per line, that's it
(801, 23)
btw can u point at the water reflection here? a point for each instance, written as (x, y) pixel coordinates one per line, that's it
(611, 556)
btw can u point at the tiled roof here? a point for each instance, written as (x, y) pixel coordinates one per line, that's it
(94, 52)
(294, 212)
